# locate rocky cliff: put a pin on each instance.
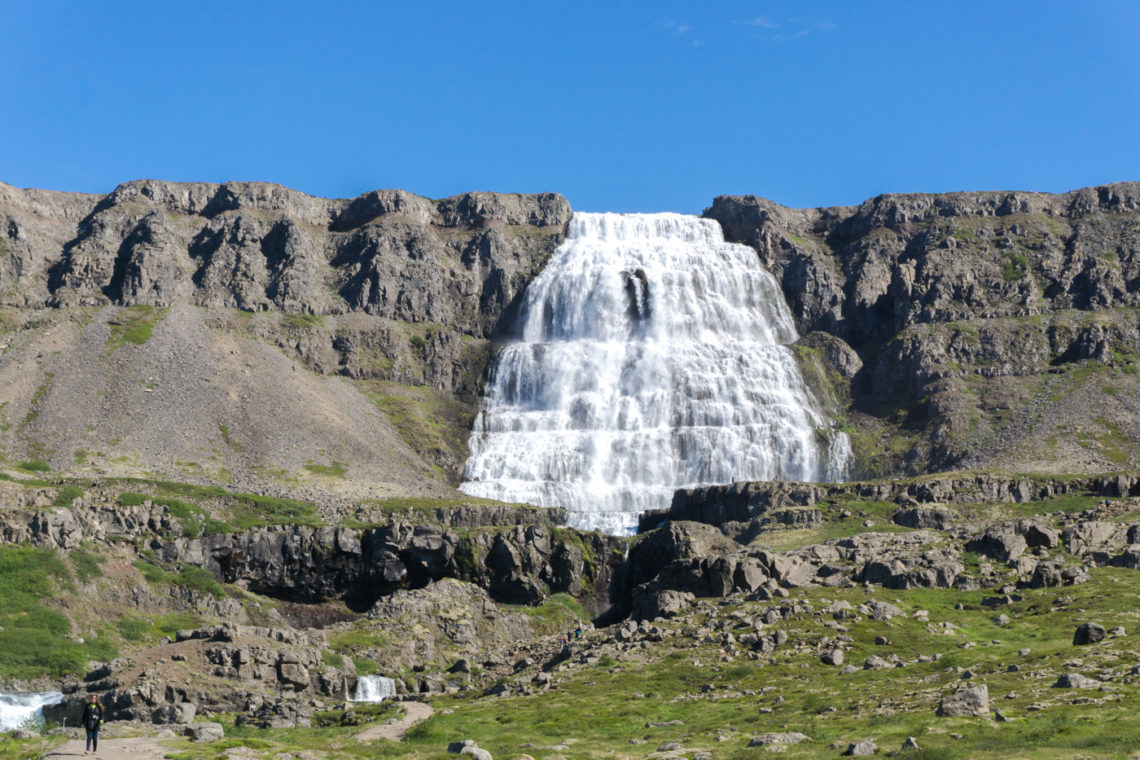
(211, 308)
(994, 329)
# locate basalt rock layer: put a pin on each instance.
(992, 329)
(190, 307)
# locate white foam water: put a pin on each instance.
(373, 689)
(652, 358)
(25, 710)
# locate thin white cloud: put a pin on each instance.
(788, 30)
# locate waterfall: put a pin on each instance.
(373, 689)
(25, 710)
(652, 358)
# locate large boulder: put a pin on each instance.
(1001, 542)
(780, 738)
(205, 732)
(936, 518)
(974, 701)
(651, 602)
(1088, 633)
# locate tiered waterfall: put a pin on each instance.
(652, 357)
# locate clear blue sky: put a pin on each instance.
(620, 106)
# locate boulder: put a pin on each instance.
(650, 603)
(205, 732)
(786, 737)
(936, 518)
(456, 747)
(974, 701)
(863, 748)
(293, 674)
(1088, 633)
(179, 714)
(1075, 681)
(1000, 542)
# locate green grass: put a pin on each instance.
(170, 623)
(190, 576)
(428, 421)
(558, 614)
(34, 465)
(37, 399)
(86, 564)
(365, 666)
(66, 495)
(134, 324)
(595, 708)
(1014, 266)
(254, 511)
(334, 470)
(302, 321)
(241, 511)
(356, 640)
(133, 629)
(34, 637)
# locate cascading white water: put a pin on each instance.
(651, 359)
(373, 689)
(25, 710)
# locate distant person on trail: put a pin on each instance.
(92, 720)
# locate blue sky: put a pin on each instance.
(620, 106)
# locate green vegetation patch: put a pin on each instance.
(302, 321)
(241, 510)
(34, 465)
(134, 324)
(429, 422)
(334, 470)
(194, 519)
(133, 629)
(351, 641)
(66, 495)
(37, 399)
(558, 614)
(190, 576)
(34, 638)
(1014, 266)
(86, 563)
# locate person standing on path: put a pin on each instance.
(92, 720)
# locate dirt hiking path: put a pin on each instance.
(148, 748)
(142, 748)
(416, 711)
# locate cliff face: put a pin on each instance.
(992, 329)
(400, 294)
(966, 330)
(457, 262)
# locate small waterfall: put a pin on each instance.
(652, 358)
(25, 710)
(373, 689)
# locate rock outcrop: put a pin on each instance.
(459, 261)
(938, 294)
(746, 507)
